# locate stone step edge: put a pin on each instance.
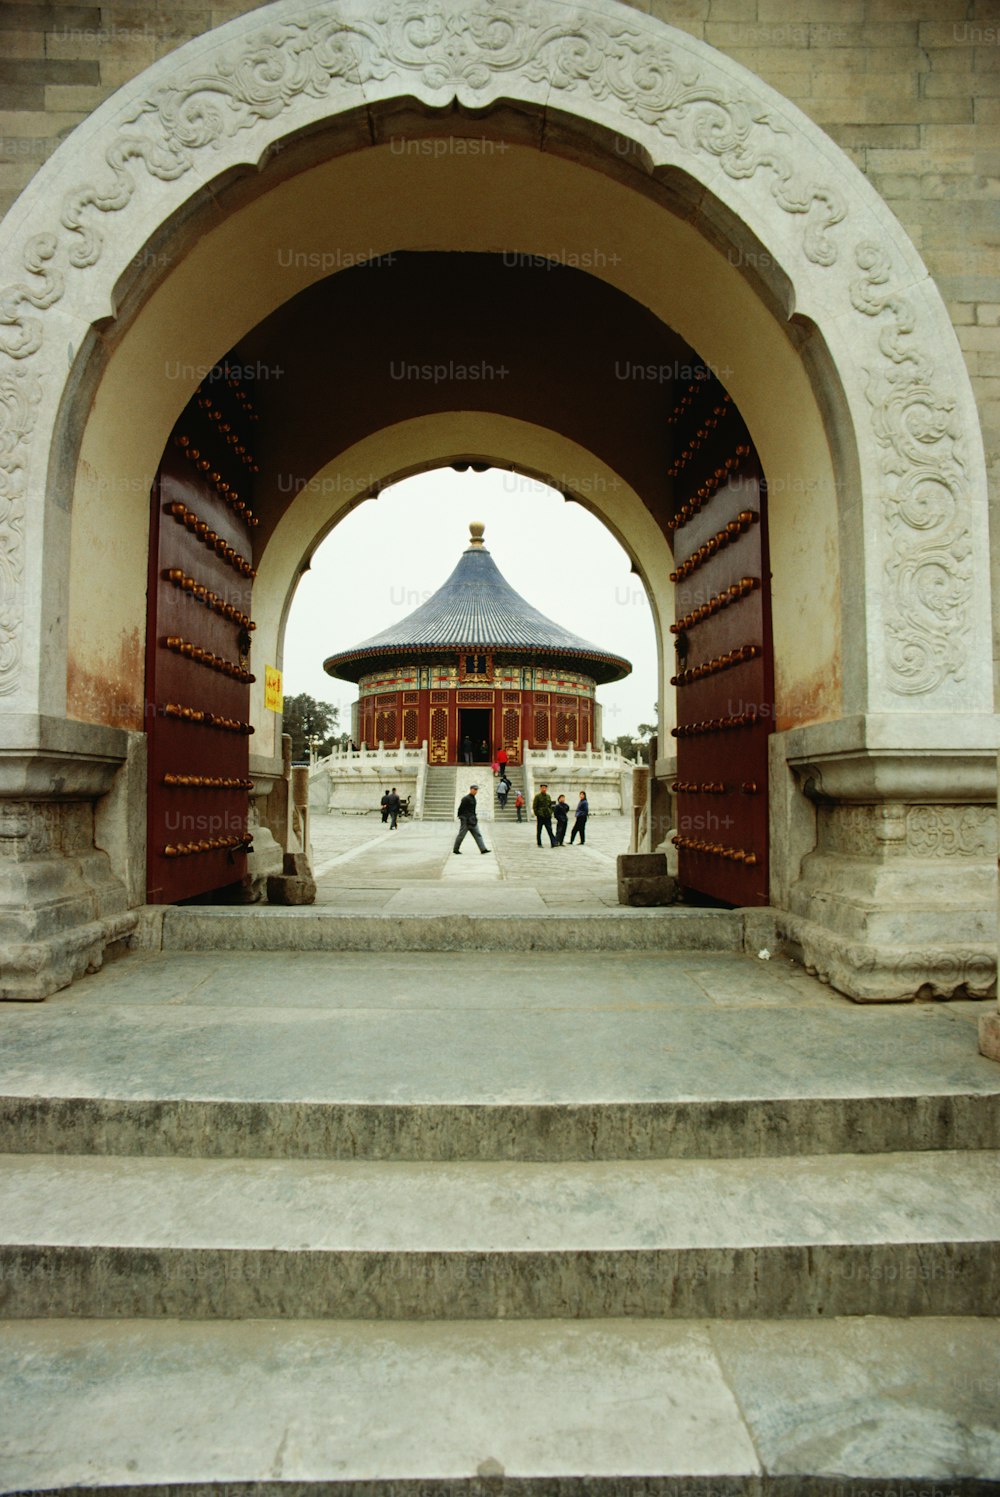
(787, 1281)
(492, 1481)
(683, 1406)
(512, 1132)
(314, 928)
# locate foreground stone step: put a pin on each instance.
(912, 1234)
(530, 1056)
(529, 1132)
(799, 1409)
(203, 928)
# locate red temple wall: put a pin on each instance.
(406, 718)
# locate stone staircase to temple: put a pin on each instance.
(441, 793)
(515, 774)
(245, 1249)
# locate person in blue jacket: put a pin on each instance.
(580, 819)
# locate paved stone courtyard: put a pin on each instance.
(360, 865)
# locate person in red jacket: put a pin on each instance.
(502, 762)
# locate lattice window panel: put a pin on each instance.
(512, 696)
(542, 698)
(541, 727)
(411, 696)
(465, 697)
(386, 730)
(564, 701)
(387, 699)
(410, 721)
(439, 696)
(438, 746)
(511, 728)
(560, 733)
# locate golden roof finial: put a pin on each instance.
(476, 529)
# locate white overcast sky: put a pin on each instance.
(390, 554)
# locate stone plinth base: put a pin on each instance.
(643, 880)
(877, 972)
(989, 1036)
(883, 854)
(33, 970)
(61, 906)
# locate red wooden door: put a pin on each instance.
(198, 649)
(722, 639)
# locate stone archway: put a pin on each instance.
(744, 227)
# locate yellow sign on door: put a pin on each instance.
(274, 700)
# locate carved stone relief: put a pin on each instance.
(20, 392)
(650, 77)
(925, 831)
(928, 568)
(952, 831)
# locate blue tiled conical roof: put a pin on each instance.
(477, 607)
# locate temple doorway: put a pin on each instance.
(475, 723)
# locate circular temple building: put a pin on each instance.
(476, 668)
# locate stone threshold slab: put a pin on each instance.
(909, 1234)
(717, 1128)
(550, 1409)
(315, 928)
(327, 1205)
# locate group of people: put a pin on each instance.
(504, 788)
(484, 751)
(546, 810)
(390, 808)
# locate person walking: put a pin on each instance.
(519, 805)
(580, 819)
(468, 821)
(561, 813)
(392, 807)
(384, 803)
(502, 761)
(503, 790)
(541, 808)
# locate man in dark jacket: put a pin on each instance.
(542, 808)
(392, 806)
(561, 812)
(468, 821)
(580, 820)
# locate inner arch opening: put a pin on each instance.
(385, 559)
